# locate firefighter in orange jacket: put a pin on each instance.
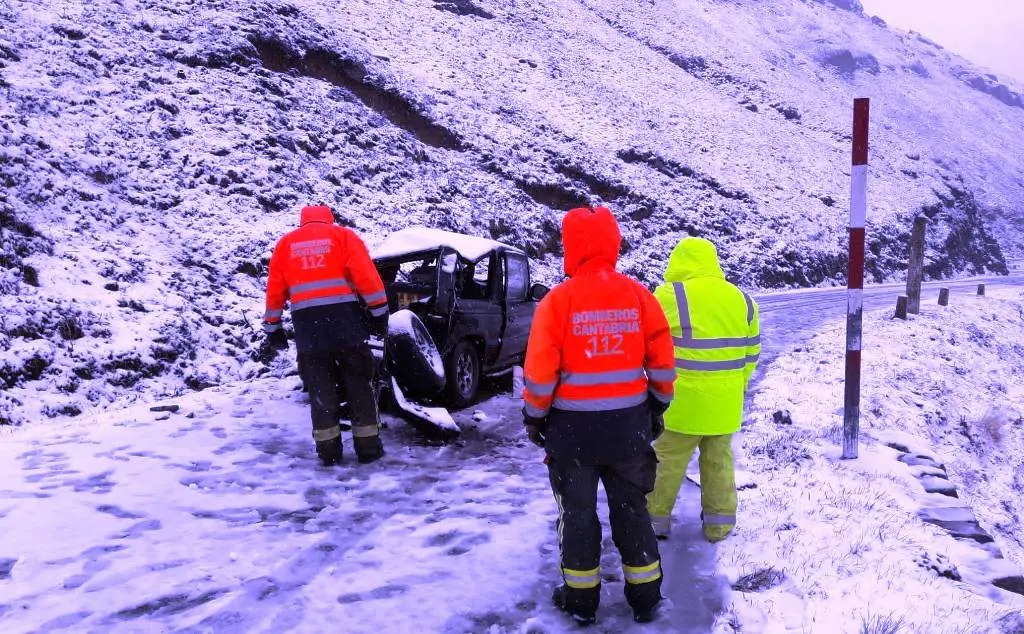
(337, 299)
(599, 374)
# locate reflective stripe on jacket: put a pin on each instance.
(716, 338)
(599, 341)
(321, 264)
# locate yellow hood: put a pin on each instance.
(693, 258)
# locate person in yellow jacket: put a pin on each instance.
(717, 341)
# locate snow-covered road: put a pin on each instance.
(217, 518)
(791, 317)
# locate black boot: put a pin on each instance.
(644, 599)
(581, 605)
(646, 615)
(368, 448)
(329, 451)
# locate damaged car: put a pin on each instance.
(461, 310)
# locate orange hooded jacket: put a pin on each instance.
(600, 342)
(323, 268)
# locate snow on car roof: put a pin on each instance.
(413, 239)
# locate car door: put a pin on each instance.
(447, 260)
(479, 312)
(518, 308)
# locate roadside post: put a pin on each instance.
(901, 307)
(855, 276)
(943, 297)
(981, 290)
(915, 265)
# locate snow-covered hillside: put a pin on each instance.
(151, 152)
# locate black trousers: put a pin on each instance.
(627, 484)
(353, 369)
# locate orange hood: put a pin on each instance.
(317, 213)
(590, 236)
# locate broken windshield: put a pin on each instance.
(417, 271)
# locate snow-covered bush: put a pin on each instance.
(996, 421)
(10, 413)
(882, 624)
(25, 361)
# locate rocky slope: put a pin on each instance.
(151, 152)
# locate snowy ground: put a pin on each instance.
(845, 534)
(216, 518)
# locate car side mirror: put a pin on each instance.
(538, 291)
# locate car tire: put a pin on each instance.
(412, 357)
(463, 370)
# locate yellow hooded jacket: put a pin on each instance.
(717, 341)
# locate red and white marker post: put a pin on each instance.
(855, 276)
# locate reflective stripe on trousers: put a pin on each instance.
(642, 574)
(719, 519)
(582, 579)
(364, 431)
(328, 433)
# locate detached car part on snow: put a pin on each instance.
(461, 309)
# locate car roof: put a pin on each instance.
(417, 239)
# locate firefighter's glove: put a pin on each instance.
(657, 407)
(536, 435)
(657, 425)
(273, 343)
(277, 340)
(378, 326)
(536, 429)
(658, 410)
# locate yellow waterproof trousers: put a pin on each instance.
(717, 480)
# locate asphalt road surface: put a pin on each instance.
(791, 317)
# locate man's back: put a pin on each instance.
(595, 341)
(325, 272)
(716, 337)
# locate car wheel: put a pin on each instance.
(413, 358)
(463, 370)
